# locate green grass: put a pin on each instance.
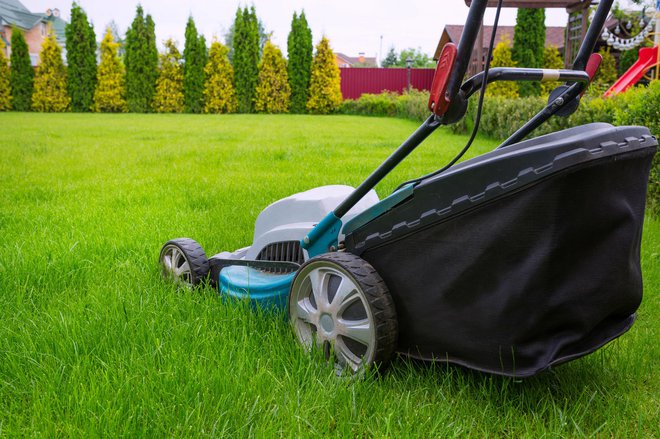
(94, 343)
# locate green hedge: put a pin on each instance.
(502, 116)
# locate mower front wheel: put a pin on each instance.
(340, 304)
(183, 261)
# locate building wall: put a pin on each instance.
(34, 39)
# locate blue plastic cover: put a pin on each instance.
(262, 289)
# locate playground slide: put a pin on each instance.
(648, 57)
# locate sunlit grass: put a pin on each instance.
(94, 343)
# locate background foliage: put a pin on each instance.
(502, 57)
(528, 45)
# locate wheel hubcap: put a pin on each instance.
(175, 266)
(328, 309)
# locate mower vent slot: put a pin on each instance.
(284, 251)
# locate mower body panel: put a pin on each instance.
(293, 217)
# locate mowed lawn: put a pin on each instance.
(94, 343)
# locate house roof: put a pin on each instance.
(554, 36)
(364, 61)
(14, 13)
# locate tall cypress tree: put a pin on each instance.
(300, 51)
(246, 57)
(22, 74)
(194, 55)
(529, 44)
(81, 59)
(141, 61)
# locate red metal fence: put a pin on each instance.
(356, 81)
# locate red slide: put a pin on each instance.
(648, 57)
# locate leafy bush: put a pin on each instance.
(412, 105)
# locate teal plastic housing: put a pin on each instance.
(264, 290)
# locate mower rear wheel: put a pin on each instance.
(183, 261)
(340, 304)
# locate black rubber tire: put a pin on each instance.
(193, 254)
(378, 298)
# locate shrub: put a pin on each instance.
(169, 87)
(21, 77)
(110, 93)
(325, 86)
(81, 60)
(412, 105)
(50, 84)
(219, 93)
(5, 86)
(273, 91)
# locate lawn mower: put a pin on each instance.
(509, 263)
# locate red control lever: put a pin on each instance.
(592, 67)
(438, 102)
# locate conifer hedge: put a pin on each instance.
(22, 74)
(81, 60)
(50, 83)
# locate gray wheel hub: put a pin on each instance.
(329, 310)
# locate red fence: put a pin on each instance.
(356, 81)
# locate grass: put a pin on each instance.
(94, 343)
